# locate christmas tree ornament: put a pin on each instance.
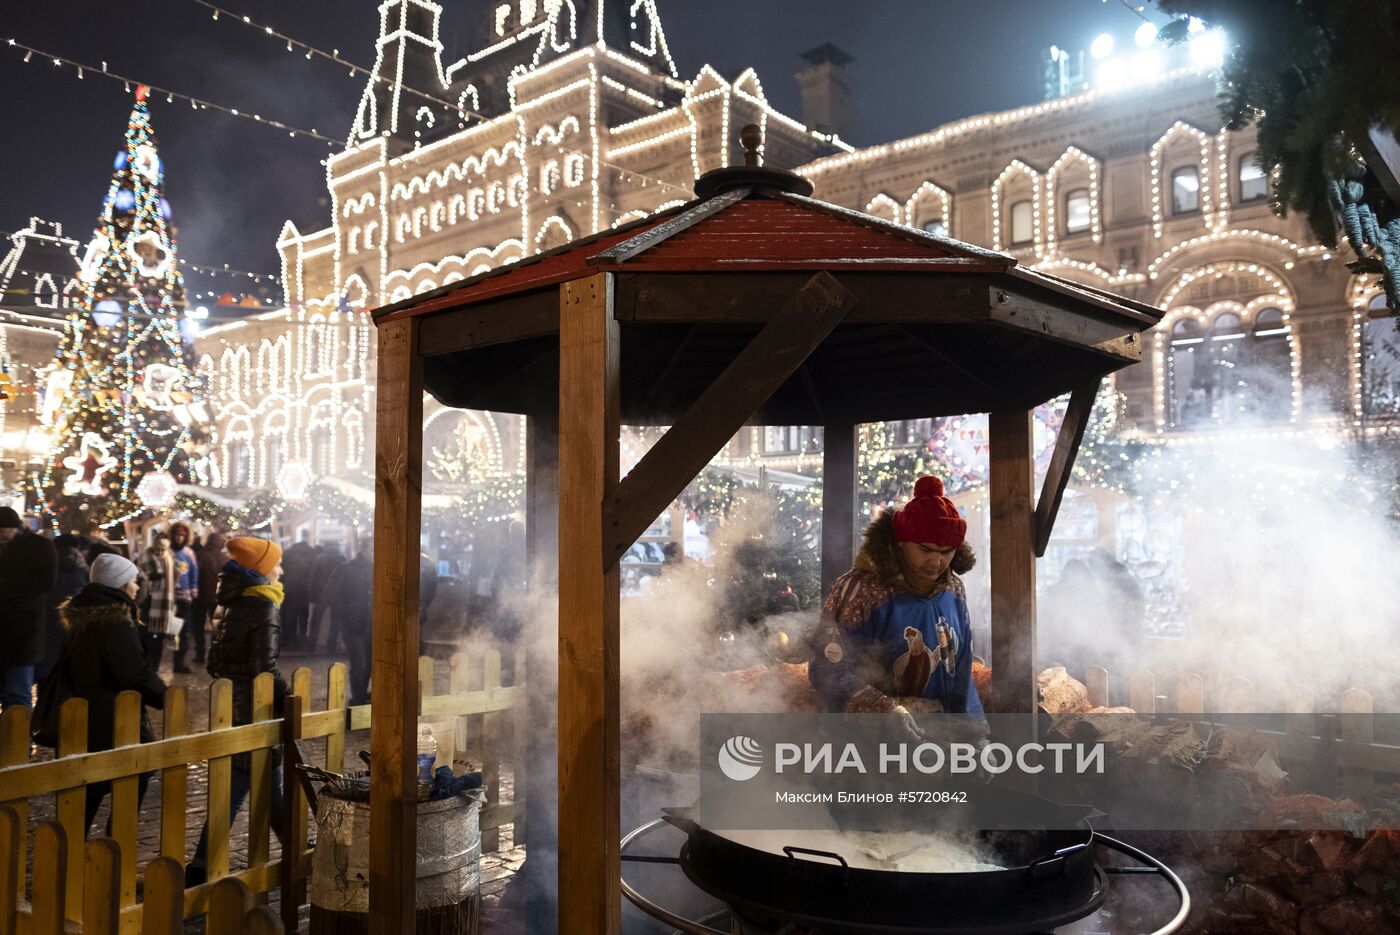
(157, 490)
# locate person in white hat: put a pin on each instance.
(103, 656)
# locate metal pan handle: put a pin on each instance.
(792, 851)
(1049, 866)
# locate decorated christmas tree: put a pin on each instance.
(121, 400)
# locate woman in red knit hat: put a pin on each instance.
(895, 633)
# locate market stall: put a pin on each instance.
(755, 303)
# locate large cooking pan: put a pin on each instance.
(1049, 876)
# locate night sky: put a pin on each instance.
(232, 183)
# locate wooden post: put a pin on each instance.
(538, 728)
(220, 777)
(336, 700)
(838, 501)
(11, 869)
(72, 803)
(589, 765)
(14, 749)
(398, 503)
(229, 902)
(163, 904)
(173, 787)
(126, 731)
(293, 817)
(102, 887)
(50, 857)
(260, 816)
(1013, 563)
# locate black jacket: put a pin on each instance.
(247, 637)
(104, 656)
(296, 573)
(28, 566)
(72, 576)
(350, 594)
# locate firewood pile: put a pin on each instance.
(1304, 882)
(1295, 882)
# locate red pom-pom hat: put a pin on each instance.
(930, 517)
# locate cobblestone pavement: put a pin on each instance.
(497, 868)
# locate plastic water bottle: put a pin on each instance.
(427, 753)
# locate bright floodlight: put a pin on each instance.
(1208, 48)
(1111, 75)
(1147, 66)
(1102, 46)
(1146, 35)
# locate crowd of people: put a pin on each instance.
(84, 617)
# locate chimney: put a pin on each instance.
(826, 96)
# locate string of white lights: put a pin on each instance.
(196, 103)
(355, 69)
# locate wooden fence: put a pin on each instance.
(475, 695)
(1313, 740)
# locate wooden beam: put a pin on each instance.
(1055, 322)
(754, 298)
(838, 501)
(590, 895)
(1012, 564)
(398, 500)
(514, 318)
(722, 409)
(540, 872)
(1081, 407)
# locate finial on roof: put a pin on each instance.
(750, 175)
(751, 138)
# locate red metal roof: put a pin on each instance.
(733, 232)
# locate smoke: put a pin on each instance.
(1263, 554)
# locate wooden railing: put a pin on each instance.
(1313, 739)
(231, 909)
(475, 695)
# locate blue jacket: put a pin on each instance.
(876, 632)
(186, 572)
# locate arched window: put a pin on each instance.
(1188, 401)
(321, 451)
(1022, 223)
(1226, 387)
(1254, 181)
(1269, 373)
(240, 471)
(1186, 190)
(1077, 211)
(1380, 361)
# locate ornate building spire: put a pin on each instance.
(399, 99)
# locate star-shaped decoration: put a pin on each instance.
(92, 460)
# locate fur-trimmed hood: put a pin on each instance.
(879, 555)
(96, 604)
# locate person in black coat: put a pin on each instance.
(246, 643)
(322, 568)
(104, 655)
(72, 575)
(28, 567)
(350, 600)
(296, 580)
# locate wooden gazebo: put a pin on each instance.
(754, 304)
